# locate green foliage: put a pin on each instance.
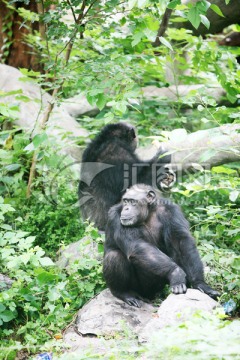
(211, 203)
(189, 340)
(112, 58)
(43, 298)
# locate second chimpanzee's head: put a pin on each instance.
(137, 204)
(123, 131)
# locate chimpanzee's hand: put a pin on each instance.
(178, 281)
(179, 289)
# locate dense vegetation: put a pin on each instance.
(111, 60)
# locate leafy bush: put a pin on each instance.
(43, 298)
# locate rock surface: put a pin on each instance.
(5, 282)
(75, 251)
(106, 316)
(177, 309)
(33, 109)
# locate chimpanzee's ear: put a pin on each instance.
(151, 197)
(133, 133)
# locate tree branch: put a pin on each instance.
(163, 26)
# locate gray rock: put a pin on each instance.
(103, 319)
(105, 315)
(77, 250)
(78, 343)
(32, 111)
(176, 309)
(5, 282)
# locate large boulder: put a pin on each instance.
(33, 102)
(107, 317)
(177, 309)
(76, 251)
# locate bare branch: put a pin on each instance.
(72, 10)
(163, 26)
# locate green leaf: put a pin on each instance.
(25, 258)
(46, 278)
(236, 263)
(222, 170)
(101, 101)
(39, 139)
(233, 195)
(12, 167)
(174, 4)
(54, 295)
(216, 9)
(91, 99)
(137, 38)
(194, 17)
(205, 21)
(46, 261)
(203, 6)
(7, 315)
(2, 307)
(13, 263)
(23, 98)
(120, 106)
(165, 42)
(29, 147)
(207, 155)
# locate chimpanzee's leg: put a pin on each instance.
(191, 263)
(120, 277)
(183, 251)
(149, 260)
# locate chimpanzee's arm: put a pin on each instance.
(150, 259)
(181, 245)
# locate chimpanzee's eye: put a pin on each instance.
(133, 202)
(125, 201)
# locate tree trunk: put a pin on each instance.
(14, 50)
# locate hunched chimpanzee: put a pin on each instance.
(110, 166)
(148, 244)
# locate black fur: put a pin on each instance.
(154, 249)
(99, 190)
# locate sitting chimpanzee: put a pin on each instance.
(148, 244)
(110, 166)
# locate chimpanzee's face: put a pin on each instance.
(136, 206)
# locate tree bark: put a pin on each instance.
(16, 52)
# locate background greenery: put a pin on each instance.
(111, 62)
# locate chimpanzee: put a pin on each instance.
(148, 244)
(110, 166)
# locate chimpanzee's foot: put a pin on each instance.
(207, 290)
(131, 298)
